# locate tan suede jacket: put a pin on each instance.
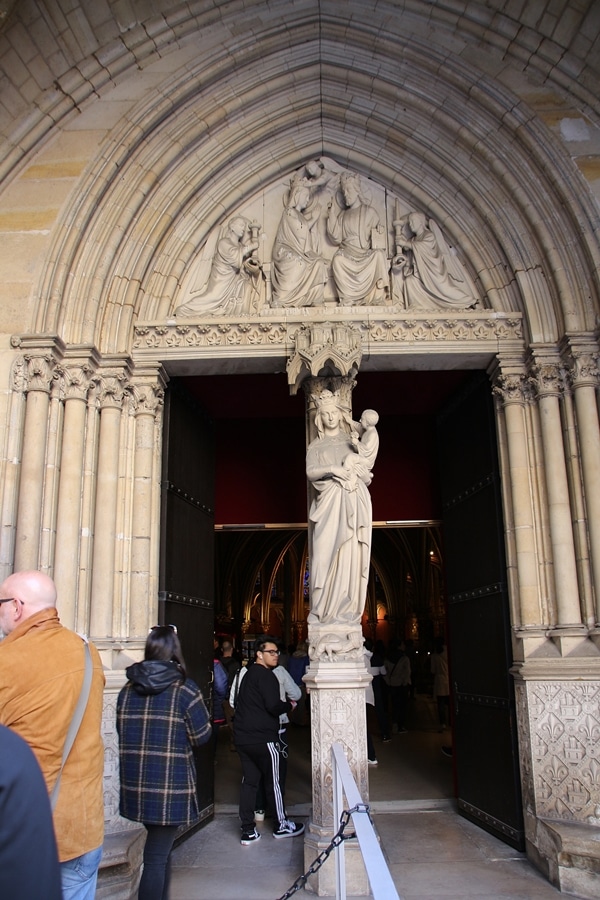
(41, 673)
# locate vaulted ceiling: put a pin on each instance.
(161, 118)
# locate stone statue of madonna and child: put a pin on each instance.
(339, 464)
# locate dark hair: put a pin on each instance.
(163, 643)
(262, 641)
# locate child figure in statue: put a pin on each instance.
(365, 443)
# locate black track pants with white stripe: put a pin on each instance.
(257, 760)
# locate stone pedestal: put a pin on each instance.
(338, 714)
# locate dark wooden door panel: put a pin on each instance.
(186, 579)
(485, 743)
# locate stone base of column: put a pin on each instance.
(322, 883)
(559, 744)
(336, 688)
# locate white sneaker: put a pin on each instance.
(373, 762)
(259, 815)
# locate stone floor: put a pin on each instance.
(431, 850)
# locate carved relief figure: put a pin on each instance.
(429, 276)
(341, 519)
(298, 271)
(319, 180)
(232, 276)
(365, 443)
(359, 267)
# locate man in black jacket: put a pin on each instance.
(256, 730)
(29, 868)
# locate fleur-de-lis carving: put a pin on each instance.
(589, 729)
(552, 727)
(591, 773)
(556, 771)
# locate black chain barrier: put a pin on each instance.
(335, 842)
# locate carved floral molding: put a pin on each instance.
(473, 331)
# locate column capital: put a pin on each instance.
(75, 381)
(546, 370)
(512, 388)
(148, 383)
(35, 373)
(111, 388)
(581, 354)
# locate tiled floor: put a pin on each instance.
(430, 850)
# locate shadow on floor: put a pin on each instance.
(431, 850)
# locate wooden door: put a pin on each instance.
(484, 728)
(186, 580)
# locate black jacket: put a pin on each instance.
(29, 867)
(258, 707)
(153, 676)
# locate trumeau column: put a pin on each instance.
(112, 385)
(76, 379)
(547, 378)
(40, 370)
(336, 679)
(584, 376)
(148, 397)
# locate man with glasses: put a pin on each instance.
(42, 669)
(255, 728)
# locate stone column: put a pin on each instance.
(76, 382)
(584, 375)
(14, 443)
(148, 395)
(512, 388)
(111, 392)
(39, 377)
(547, 378)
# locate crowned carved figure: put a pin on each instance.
(359, 265)
(298, 271)
(339, 465)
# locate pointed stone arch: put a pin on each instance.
(184, 162)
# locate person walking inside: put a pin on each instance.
(256, 730)
(232, 666)
(441, 683)
(51, 694)
(397, 665)
(161, 717)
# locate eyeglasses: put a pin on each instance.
(277, 652)
(172, 627)
(10, 599)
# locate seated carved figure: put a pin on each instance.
(426, 274)
(359, 270)
(232, 271)
(298, 273)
